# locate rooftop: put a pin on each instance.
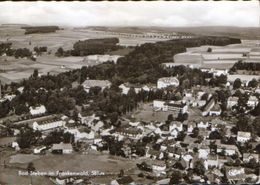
(62, 146)
(169, 80)
(96, 83)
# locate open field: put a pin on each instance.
(221, 57)
(52, 163)
(74, 162)
(14, 70)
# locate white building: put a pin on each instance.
(158, 167)
(81, 134)
(125, 87)
(204, 152)
(48, 124)
(203, 125)
(38, 150)
(243, 136)
(101, 58)
(167, 81)
(176, 125)
(64, 148)
(160, 105)
(248, 156)
(252, 101)
(215, 111)
(191, 126)
(229, 150)
(87, 84)
(37, 110)
(232, 101)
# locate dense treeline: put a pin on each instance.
(5, 48)
(91, 46)
(140, 66)
(40, 29)
(250, 66)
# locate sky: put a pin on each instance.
(142, 13)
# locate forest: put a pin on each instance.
(40, 29)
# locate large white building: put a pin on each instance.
(87, 84)
(44, 125)
(167, 81)
(160, 105)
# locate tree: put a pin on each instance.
(256, 110)
(176, 177)
(253, 83)
(215, 135)
(35, 73)
(237, 83)
(30, 167)
(170, 118)
(209, 50)
(59, 52)
(199, 168)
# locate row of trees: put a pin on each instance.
(250, 66)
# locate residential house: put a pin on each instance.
(216, 123)
(203, 152)
(210, 104)
(62, 148)
(191, 126)
(212, 161)
(243, 137)
(188, 99)
(158, 167)
(176, 124)
(252, 101)
(215, 111)
(15, 145)
(235, 173)
(97, 125)
(203, 125)
(248, 156)
(199, 103)
(216, 161)
(228, 150)
(87, 84)
(167, 81)
(232, 101)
